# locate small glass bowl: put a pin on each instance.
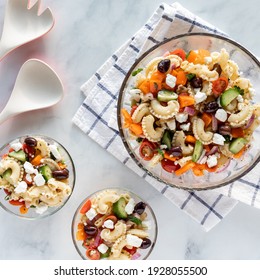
(248, 65)
(31, 213)
(152, 230)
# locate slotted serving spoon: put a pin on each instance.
(23, 24)
(37, 86)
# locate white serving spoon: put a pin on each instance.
(37, 86)
(23, 24)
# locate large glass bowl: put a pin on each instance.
(32, 213)
(249, 66)
(79, 219)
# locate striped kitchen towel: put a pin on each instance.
(96, 117)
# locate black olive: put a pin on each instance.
(139, 208)
(164, 65)
(196, 82)
(146, 243)
(224, 129)
(30, 141)
(90, 230)
(211, 107)
(61, 174)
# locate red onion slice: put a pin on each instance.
(190, 111)
(136, 256)
(224, 166)
(250, 122)
(213, 150)
(97, 239)
(214, 123)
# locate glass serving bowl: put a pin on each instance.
(84, 243)
(248, 65)
(24, 210)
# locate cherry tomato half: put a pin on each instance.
(147, 149)
(131, 251)
(85, 207)
(93, 254)
(169, 165)
(180, 52)
(219, 85)
(16, 202)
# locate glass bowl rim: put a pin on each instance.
(73, 228)
(72, 184)
(120, 96)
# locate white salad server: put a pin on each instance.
(23, 24)
(37, 86)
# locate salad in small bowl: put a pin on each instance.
(114, 224)
(37, 176)
(187, 112)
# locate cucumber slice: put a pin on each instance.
(119, 208)
(20, 155)
(135, 220)
(167, 139)
(228, 96)
(7, 174)
(197, 151)
(166, 95)
(46, 172)
(237, 145)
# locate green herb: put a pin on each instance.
(187, 55)
(105, 255)
(135, 220)
(240, 90)
(190, 76)
(227, 139)
(160, 152)
(134, 73)
(7, 197)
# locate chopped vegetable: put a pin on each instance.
(134, 73)
(186, 101)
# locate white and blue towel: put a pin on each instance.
(97, 117)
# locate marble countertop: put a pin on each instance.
(85, 34)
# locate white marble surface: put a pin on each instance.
(86, 32)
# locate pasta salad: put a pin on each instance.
(33, 174)
(114, 226)
(191, 111)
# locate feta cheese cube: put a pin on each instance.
(28, 167)
(170, 80)
(39, 180)
(221, 115)
(200, 97)
(218, 139)
(102, 248)
(21, 187)
(181, 117)
(185, 127)
(16, 146)
(28, 178)
(129, 208)
(55, 152)
(171, 124)
(133, 240)
(41, 208)
(91, 214)
(240, 98)
(163, 147)
(108, 224)
(212, 161)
